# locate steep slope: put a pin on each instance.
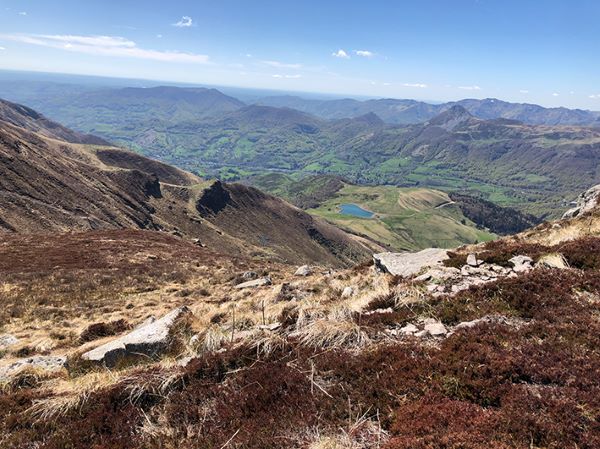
(483, 350)
(24, 117)
(52, 185)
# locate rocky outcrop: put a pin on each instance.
(586, 202)
(409, 264)
(149, 340)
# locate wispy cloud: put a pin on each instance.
(340, 54)
(2, 48)
(23, 13)
(524, 91)
(364, 53)
(469, 87)
(282, 65)
(593, 97)
(104, 46)
(289, 77)
(184, 22)
(555, 94)
(419, 85)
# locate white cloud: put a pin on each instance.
(185, 22)
(469, 87)
(159, 36)
(524, 91)
(2, 48)
(555, 94)
(23, 13)
(387, 84)
(289, 77)
(593, 97)
(364, 53)
(340, 54)
(248, 55)
(282, 65)
(419, 85)
(104, 46)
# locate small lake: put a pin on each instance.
(355, 211)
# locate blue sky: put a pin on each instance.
(545, 52)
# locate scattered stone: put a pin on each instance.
(472, 260)
(521, 263)
(176, 233)
(198, 242)
(553, 260)
(435, 329)
(148, 340)
(152, 256)
(347, 292)
(304, 270)
(409, 329)
(7, 340)
(249, 275)
(255, 283)
(376, 311)
(43, 362)
(424, 277)
(409, 264)
(270, 327)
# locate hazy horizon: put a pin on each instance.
(247, 94)
(538, 52)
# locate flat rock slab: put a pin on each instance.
(255, 283)
(43, 362)
(149, 340)
(409, 264)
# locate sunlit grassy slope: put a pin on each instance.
(404, 218)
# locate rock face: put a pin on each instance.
(149, 340)
(586, 202)
(409, 264)
(255, 283)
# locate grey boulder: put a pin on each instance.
(409, 264)
(149, 340)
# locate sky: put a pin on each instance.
(534, 51)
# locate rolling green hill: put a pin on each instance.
(401, 218)
(536, 169)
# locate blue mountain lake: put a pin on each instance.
(355, 211)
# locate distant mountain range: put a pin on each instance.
(478, 147)
(411, 111)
